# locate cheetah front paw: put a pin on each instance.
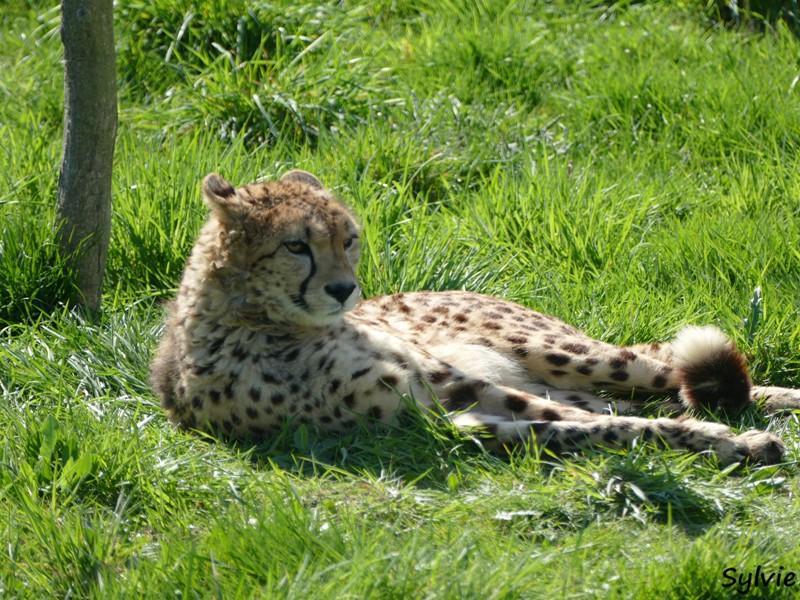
(761, 447)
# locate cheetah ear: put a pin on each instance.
(302, 177)
(221, 197)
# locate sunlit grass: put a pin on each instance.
(629, 167)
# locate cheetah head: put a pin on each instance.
(287, 249)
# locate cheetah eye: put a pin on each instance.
(349, 242)
(296, 247)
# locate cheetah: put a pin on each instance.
(267, 327)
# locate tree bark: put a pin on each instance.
(90, 125)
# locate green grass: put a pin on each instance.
(629, 167)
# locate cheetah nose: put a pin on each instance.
(340, 290)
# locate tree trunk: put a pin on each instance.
(90, 126)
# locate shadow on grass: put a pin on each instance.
(756, 15)
(36, 277)
(646, 483)
(420, 448)
(751, 15)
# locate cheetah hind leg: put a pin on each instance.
(567, 436)
(776, 399)
(598, 405)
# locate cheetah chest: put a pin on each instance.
(247, 384)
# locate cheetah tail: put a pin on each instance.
(712, 371)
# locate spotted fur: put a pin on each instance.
(267, 327)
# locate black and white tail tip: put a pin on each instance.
(712, 371)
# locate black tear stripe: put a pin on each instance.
(304, 285)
